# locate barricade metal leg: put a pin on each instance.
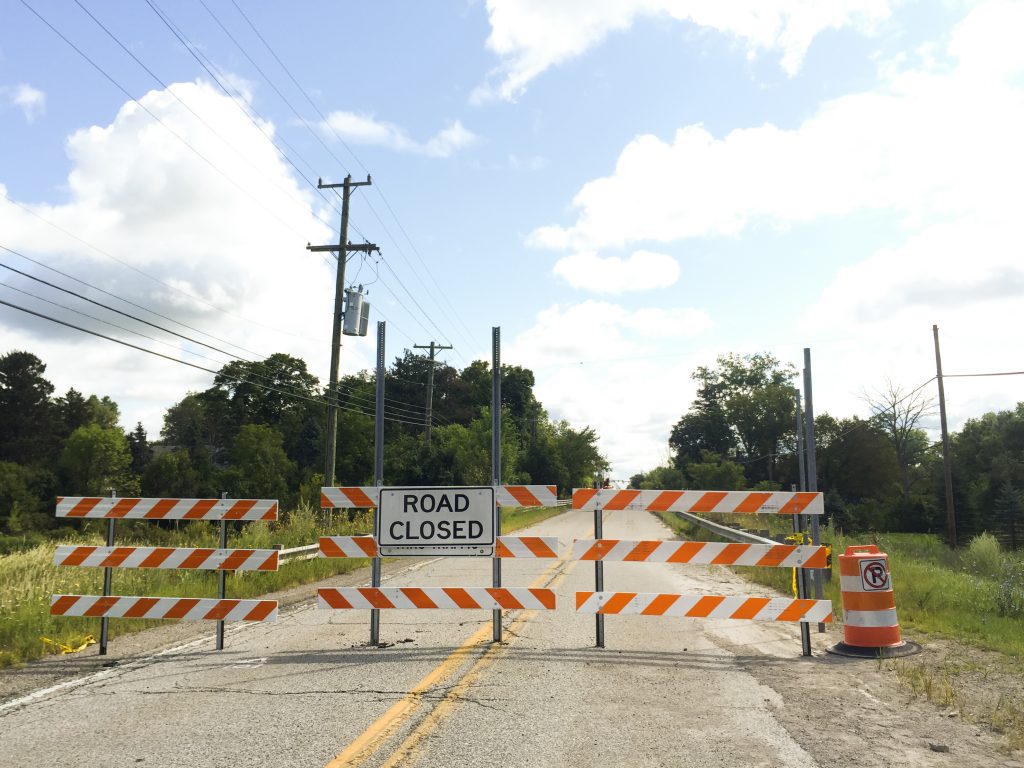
(496, 566)
(108, 574)
(599, 576)
(375, 612)
(801, 592)
(222, 580)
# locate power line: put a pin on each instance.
(397, 407)
(149, 112)
(190, 47)
(294, 395)
(169, 286)
(345, 144)
(979, 375)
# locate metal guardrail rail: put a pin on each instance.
(732, 534)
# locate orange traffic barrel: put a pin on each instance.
(870, 628)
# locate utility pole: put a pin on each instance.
(434, 349)
(947, 465)
(342, 249)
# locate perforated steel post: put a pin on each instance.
(496, 460)
(599, 573)
(812, 473)
(108, 574)
(222, 576)
(378, 472)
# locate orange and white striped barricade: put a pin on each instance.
(505, 495)
(168, 557)
(697, 502)
(599, 549)
(704, 606)
(220, 560)
(184, 608)
(113, 508)
(870, 628)
(505, 546)
(465, 598)
(701, 553)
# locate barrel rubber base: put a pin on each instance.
(906, 648)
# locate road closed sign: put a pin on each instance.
(436, 521)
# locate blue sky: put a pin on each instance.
(628, 189)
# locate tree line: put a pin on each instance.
(879, 473)
(259, 432)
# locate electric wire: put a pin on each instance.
(241, 379)
(326, 123)
(396, 405)
(147, 275)
(190, 47)
(149, 112)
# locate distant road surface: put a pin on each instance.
(307, 691)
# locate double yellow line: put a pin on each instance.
(370, 740)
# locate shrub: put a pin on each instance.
(1010, 590)
(984, 556)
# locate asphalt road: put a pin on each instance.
(307, 690)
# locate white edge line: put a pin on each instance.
(77, 682)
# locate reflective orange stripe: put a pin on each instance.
(418, 597)
(621, 500)
(141, 607)
(729, 554)
(659, 605)
(505, 598)
(665, 501)
(750, 608)
(182, 607)
(869, 601)
(101, 606)
(222, 609)
(580, 497)
(262, 609)
(641, 551)
(63, 605)
(686, 552)
(705, 606)
(752, 502)
(617, 602)
(708, 501)
(461, 598)
(238, 509)
(161, 508)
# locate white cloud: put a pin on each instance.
(642, 271)
(617, 370)
(364, 129)
(31, 100)
(933, 142)
(235, 240)
(533, 35)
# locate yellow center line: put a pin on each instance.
(409, 750)
(381, 729)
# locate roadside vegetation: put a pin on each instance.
(957, 600)
(28, 577)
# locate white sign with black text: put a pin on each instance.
(436, 521)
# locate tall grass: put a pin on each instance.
(974, 595)
(28, 578)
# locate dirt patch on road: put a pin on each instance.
(950, 705)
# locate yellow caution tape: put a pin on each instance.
(86, 642)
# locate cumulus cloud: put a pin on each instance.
(642, 271)
(234, 240)
(935, 141)
(532, 36)
(31, 101)
(364, 129)
(619, 370)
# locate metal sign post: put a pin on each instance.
(496, 461)
(378, 473)
(599, 572)
(222, 577)
(812, 472)
(108, 574)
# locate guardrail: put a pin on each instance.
(294, 554)
(732, 534)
